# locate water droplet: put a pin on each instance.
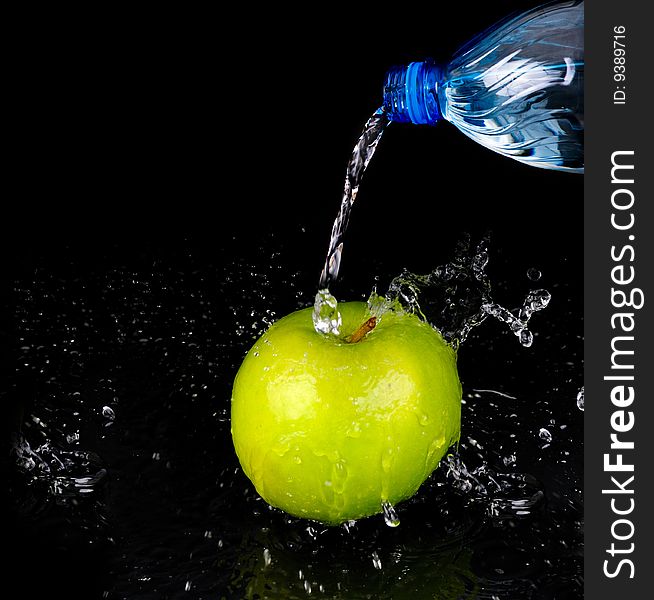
(580, 399)
(327, 492)
(267, 559)
(307, 586)
(282, 447)
(509, 460)
(349, 525)
(108, 413)
(390, 516)
(339, 476)
(297, 460)
(354, 431)
(376, 561)
(534, 274)
(187, 587)
(545, 435)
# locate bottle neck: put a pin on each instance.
(411, 93)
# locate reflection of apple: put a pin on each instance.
(414, 566)
(329, 427)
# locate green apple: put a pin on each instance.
(329, 428)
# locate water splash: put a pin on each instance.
(457, 297)
(66, 475)
(454, 298)
(361, 156)
(460, 288)
(535, 300)
(501, 495)
(445, 530)
(326, 317)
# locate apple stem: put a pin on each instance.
(360, 333)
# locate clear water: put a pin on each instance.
(326, 317)
(125, 458)
(456, 297)
(519, 90)
(461, 284)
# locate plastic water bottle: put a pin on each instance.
(517, 88)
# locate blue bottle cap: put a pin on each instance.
(411, 93)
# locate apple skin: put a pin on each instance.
(328, 430)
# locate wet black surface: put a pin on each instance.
(139, 290)
(159, 343)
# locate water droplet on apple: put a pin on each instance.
(339, 476)
(390, 516)
(376, 561)
(387, 459)
(281, 448)
(354, 431)
(434, 448)
(297, 460)
(328, 492)
(423, 419)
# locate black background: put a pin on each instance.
(144, 135)
(141, 129)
